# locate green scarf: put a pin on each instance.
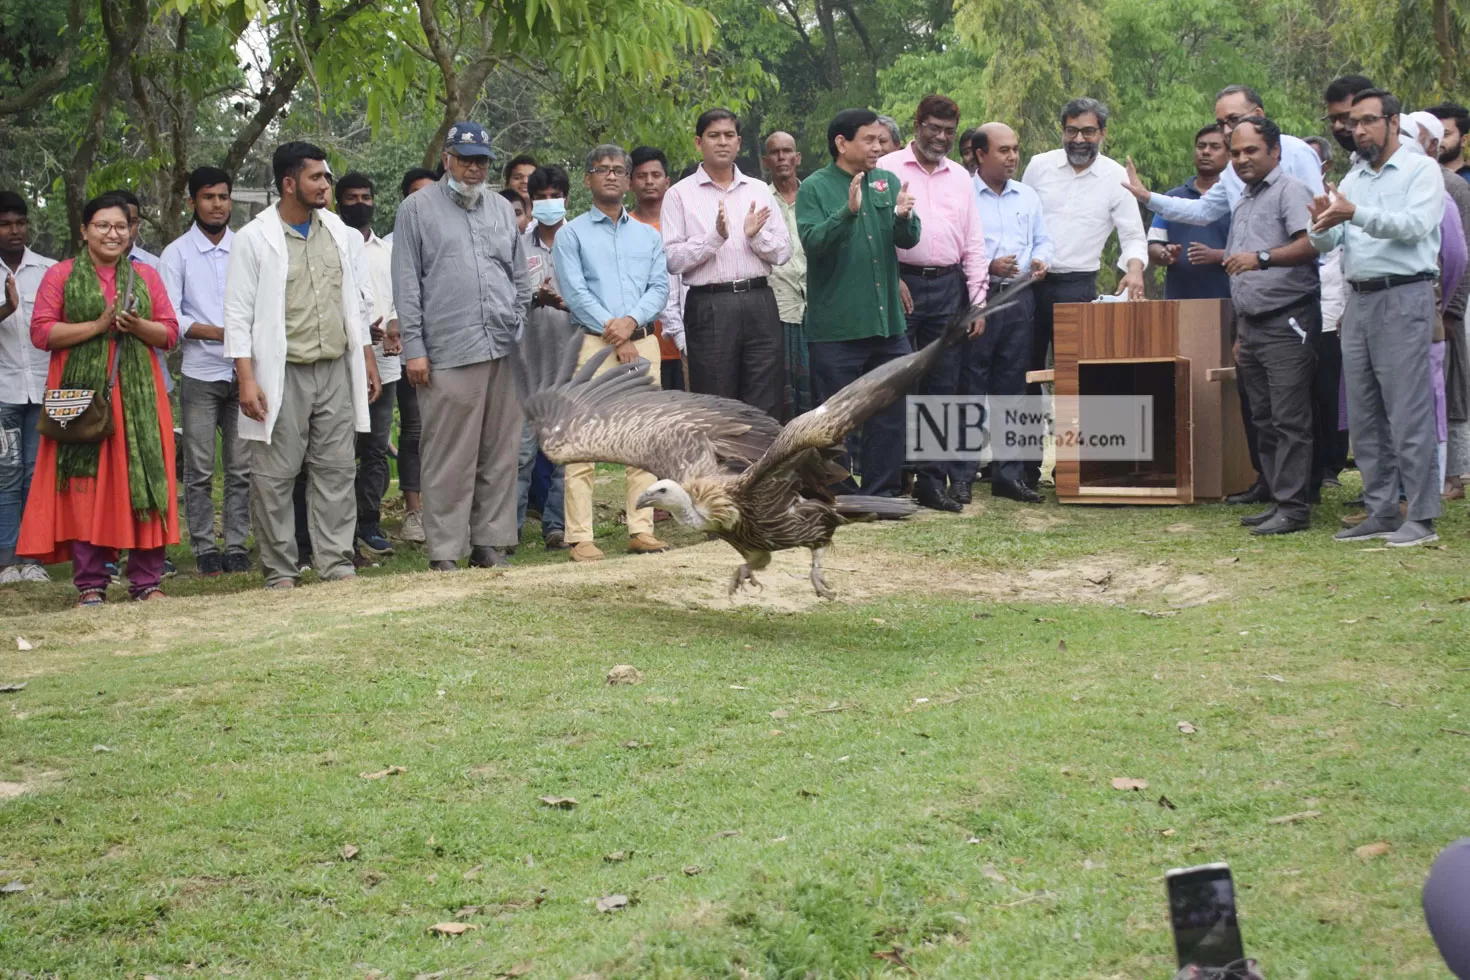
(87, 366)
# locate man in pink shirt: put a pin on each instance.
(723, 233)
(946, 272)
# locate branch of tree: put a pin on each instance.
(54, 77)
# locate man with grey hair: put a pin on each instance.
(615, 281)
(461, 288)
(1083, 202)
(893, 138)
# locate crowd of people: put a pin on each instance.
(304, 331)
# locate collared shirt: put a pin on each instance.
(23, 367)
(788, 281)
(1459, 192)
(1013, 224)
(852, 269)
(1394, 230)
(945, 203)
(1269, 215)
(459, 278)
(1297, 158)
(548, 330)
(193, 272)
(377, 265)
(1084, 209)
(139, 254)
(698, 253)
(1184, 280)
(610, 268)
(315, 327)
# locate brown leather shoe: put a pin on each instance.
(1353, 520)
(645, 544)
(586, 551)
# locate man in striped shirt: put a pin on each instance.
(723, 234)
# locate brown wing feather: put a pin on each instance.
(619, 416)
(827, 425)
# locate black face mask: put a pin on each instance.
(356, 215)
(208, 228)
(1345, 140)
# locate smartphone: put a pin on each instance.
(1202, 912)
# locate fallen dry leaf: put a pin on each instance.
(390, 771)
(1296, 817)
(1186, 728)
(738, 687)
(100, 748)
(1461, 598)
(473, 873)
(625, 674)
(1127, 783)
(807, 793)
(692, 869)
(1454, 731)
(12, 688)
(1087, 865)
(780, 713)
(12, 888)
(894, 956)
(1167, 803)
(727, 833)
(1168, 833)
(468, 910)
(21, 643)
(560, 802)
(990, 872)
(616, 856)
(1179, 528)
(349, 851)
(1227, 561)
(1375, 850)
(519, 970)
(612, 903)
(452, 928)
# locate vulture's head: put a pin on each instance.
(674, 499)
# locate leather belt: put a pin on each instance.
(736, 286)
(1388, 282)
(637, 334)
(929, 271)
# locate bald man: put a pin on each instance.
(1017, 241)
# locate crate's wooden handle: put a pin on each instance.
(1048, 376)
(1220, 374)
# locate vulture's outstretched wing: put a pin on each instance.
(619, 416)
(827, 425)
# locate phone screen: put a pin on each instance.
(1202, 911)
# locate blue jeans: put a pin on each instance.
(18, 443)
(552, 512)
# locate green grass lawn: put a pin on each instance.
(923, 773)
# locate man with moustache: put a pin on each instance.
(782, 160)
(1192, 255)
(297, 329)
(461, 289)
(1274, 287)
(1387, 219)
(193, 269)
(1019, 245)
(1456, 121)
(651, 183)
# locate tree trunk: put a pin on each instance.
(1448, 58)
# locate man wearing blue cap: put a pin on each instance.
(461, 289)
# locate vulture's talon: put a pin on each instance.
(741, 576)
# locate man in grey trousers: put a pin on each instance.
(461, 290)
(1386, 218)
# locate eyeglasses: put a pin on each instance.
(1338, 119)
(938, 130)
(1086, 132)
(1232, 120)
(1366, 121)
(105, 229)
(471, 163)
(609, 171)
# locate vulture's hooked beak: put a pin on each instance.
(645, 499)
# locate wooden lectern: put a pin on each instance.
(1179, 352)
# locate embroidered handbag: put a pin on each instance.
(79, 414)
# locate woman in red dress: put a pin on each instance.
(87, 501)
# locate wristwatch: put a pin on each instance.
(1264, 258)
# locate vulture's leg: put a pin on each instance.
(741, 576)
(818, 581)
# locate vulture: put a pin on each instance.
(724, 467)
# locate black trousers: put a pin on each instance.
(1057, 287)
(995, 363)
(840, 362)
(1279, 367)
(1330, 443)
(372, 459)
(736, 347)
(936, 302)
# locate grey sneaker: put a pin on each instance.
(34, 573)
(1412, 533)
(10, 575)
(413, 527)
(1366, 531)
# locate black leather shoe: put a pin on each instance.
(961, 493)
(1015, 491)
(928, 495)
(1281, 524)
(1256, 520)
(1257, 494)
(483, 556)
(443, 566)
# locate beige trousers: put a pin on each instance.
(470, 446)
(579, 475)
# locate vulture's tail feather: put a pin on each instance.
(858, 508)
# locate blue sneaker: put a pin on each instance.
(370, 536)
(113, 573)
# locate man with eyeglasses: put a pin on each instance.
(723, 235)
(1082, 203)
(1387, 219)
(1338, 100)
(946, 270)
(461, 289)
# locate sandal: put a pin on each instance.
(90, 598)
(149, 594)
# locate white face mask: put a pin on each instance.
(469, 193)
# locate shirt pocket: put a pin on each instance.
(330, 265)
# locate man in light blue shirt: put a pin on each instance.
(614, 281)
(1017, 242)
(1234, 103)
(1386, 217)
(193, 271)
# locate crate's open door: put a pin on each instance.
(1166, 477)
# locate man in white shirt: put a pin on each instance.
(22, 381)
(193, 269)
(1083, 203)
(355, 207)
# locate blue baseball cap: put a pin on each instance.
(467, 139)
